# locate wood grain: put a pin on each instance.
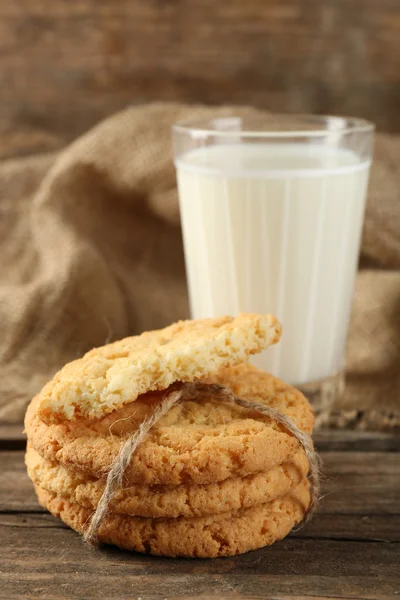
(355, 484)
(350, 550)
(64, 66)
(55, 563)
(13, 437)
(356, 528)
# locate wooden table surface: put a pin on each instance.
(351, 549)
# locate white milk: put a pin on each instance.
(276, 228)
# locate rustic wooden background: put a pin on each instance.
(65, 65)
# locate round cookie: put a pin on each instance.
(108, 377)
(225, 534)
(169, 501)
(202, 441)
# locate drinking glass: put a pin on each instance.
(272, 214)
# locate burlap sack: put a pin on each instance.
(91, 251)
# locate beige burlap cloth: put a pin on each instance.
(91, 251)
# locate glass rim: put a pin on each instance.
(341, 125)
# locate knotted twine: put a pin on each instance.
(191, 391)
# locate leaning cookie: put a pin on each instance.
(199, 441)
(107, 378)
(169, 501)
(225, 534)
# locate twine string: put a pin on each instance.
(191, 391)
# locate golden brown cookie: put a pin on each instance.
(109, 377)
(169, 501)
(202, 441)
(225, 534)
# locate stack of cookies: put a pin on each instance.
(210, 479)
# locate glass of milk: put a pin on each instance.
(272, 215)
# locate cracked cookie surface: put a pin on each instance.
(169, 501)
(111, 376)
(201, 442)
(225, 534)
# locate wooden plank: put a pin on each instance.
(16, 490)
(12, 437)
(40, 556)
(64, 66)
(357, 441)
(360, 491)
(376, 528)
(360, 483)
(55, 563)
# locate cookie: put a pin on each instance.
(169, 501)
(107, 378)
(203, 441)
(225, 534)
